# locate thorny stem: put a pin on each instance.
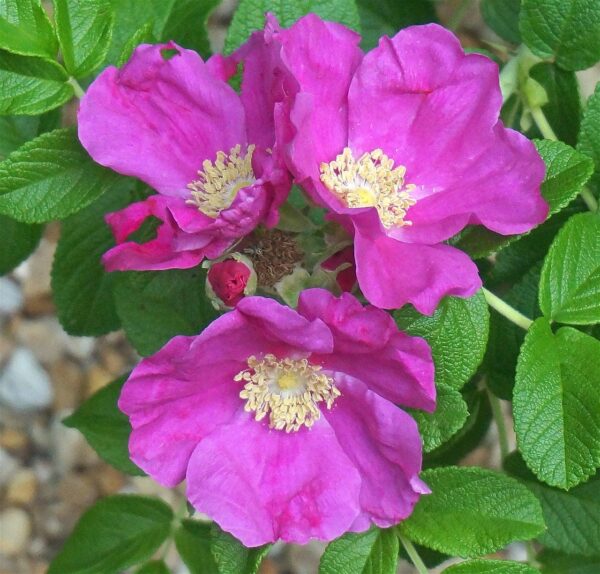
(413, 554)
(458, 15)
(506, 310)
(500, 424)
(544, 126)
(79, 91)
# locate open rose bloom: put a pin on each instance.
(404, 146)
(171, 120)
(284, 423)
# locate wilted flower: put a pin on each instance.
(404, 145)
(230, 280)
(172, 120)
(284, 423)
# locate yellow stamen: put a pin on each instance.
(219, 182)
(371, 181)
(288, 390)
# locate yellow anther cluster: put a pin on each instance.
(371, 181)
(288, 390)
(218, 182)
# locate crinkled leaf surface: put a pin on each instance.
(556, 404)
(371, 552)
(570, 281)
(490, 567)
(457, 333)
(472, 511)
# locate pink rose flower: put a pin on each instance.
(284, 423)
(229, 281)
(405, 146)
(171, 120)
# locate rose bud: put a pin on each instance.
(230, 280)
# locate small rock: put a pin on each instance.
(68, 447)
(8, 467)
(80, 347)
(113, 360)
(15, 526)
(34, 273)
(22, 488)
(11, 298)
(109, 480)
(44, 336)
(13, 439)
(78, 490)
(24, 385)
(97, 378)
(68, 384)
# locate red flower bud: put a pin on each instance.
(228, 280)
(346, 278)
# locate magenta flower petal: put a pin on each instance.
(420, 274)
(262, 485)
(158, 119)
(383, 443)
(276, 442)
(172, 409)
(369, 347)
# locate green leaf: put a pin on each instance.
(143, 36)
(156, 306)
(31, 86)
(386, 17)
(563, 110)
(449, 417)
(49, 178)
(154, 567)
(186, 24)
(502, 16)
(567, 171)
(490, 567)
(180, 20)
(472, 511)
(18, 241)
(570, 282)
(557, 563)
(16, 130)
(231, 556)
(572, 519)
(568, 30)
(371, 552)
(457, 333)
(250, 15)
(468, 437)
(82, 289)
(193, 541)
(556, 404)
(84, 32)
(26, 29)
(589, 135)
(117, 532)
(105, 427)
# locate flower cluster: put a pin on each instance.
(286, 423)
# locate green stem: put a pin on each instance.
(500, 424)
(589, 199)
(458, 15)
(506, 310)
(413, 554)
(79, 91)
(543, 124)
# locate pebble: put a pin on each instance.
(24, 384)
(8, 467)
(22, 488)
(13, 439)
(68, 384)
(97, 378)
(15, 526)
(68, 447)
(11, 298)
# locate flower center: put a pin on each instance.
(370, 181)
(218, 182)
(288, 390)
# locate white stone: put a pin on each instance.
(15, 527)
(24, 384)
(11, 298)
(8, 467)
